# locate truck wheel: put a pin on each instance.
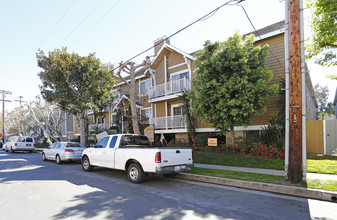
(136, 173)
(86, 164)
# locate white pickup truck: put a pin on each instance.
(135, 154)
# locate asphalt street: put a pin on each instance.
(34, 189)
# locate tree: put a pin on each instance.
(132, 70)
(322, 95)
(16, 122)
(48, 117)
(186, 97)
(231, 83)
(75, 83)
(323, 45)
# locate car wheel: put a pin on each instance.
(58, 159)
(30, 151)
(136, 173)
(86, 166)
(44, 157)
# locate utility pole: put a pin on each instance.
(3, 111)
(295, 94)
(20, 97)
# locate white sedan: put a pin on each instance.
(63, 151)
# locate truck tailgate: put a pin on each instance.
(176, 156)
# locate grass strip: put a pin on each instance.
(237, 175)
(235, 160)
(330, 185)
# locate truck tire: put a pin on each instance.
(135, 173)
(86, 164)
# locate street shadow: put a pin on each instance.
(116, 197)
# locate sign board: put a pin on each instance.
(101, 135)
(213, 142)
(149, 132)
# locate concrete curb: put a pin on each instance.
(267, 187)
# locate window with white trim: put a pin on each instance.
(145, 114)
(145, 86)
(180, 75)
(100, 120)
(113, 118)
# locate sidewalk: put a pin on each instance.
(265, 171)
(266, 187)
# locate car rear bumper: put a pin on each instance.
(23, 148)
(174, 169)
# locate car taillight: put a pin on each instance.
(16, 144)
(68, 150)
(34, 145)
(158, 157)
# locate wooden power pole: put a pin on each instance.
(295, 93)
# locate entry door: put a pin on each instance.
(177, 116)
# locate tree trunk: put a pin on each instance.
(232, 135)
(133, 101)
(82, 129)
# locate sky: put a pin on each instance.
(116, 30)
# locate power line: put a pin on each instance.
(58, 21)
(83, 19)
(96, 22)
(251, 23)
(203, 18)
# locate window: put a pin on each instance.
(100, 120)
(113, 142)
(29, 139)
(102, 143)
(134, 140)
(114, 118)
(144, 86)
(145, 114)
(177, 76)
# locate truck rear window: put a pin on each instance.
(134, 140)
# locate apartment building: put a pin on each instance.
(158, 91)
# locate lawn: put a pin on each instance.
(322, 164)
(238, 161)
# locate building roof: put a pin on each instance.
(276, 27)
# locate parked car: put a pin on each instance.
(20, 143)
(134, 153)
(63, 151)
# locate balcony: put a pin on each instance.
(169, 122)
(169, 90)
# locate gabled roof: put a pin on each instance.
(127, 97)
(172, 48)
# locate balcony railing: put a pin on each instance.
(169, 88)
(169, 122)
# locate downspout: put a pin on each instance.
(165, 73)
(286, 49)
(304, 111)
